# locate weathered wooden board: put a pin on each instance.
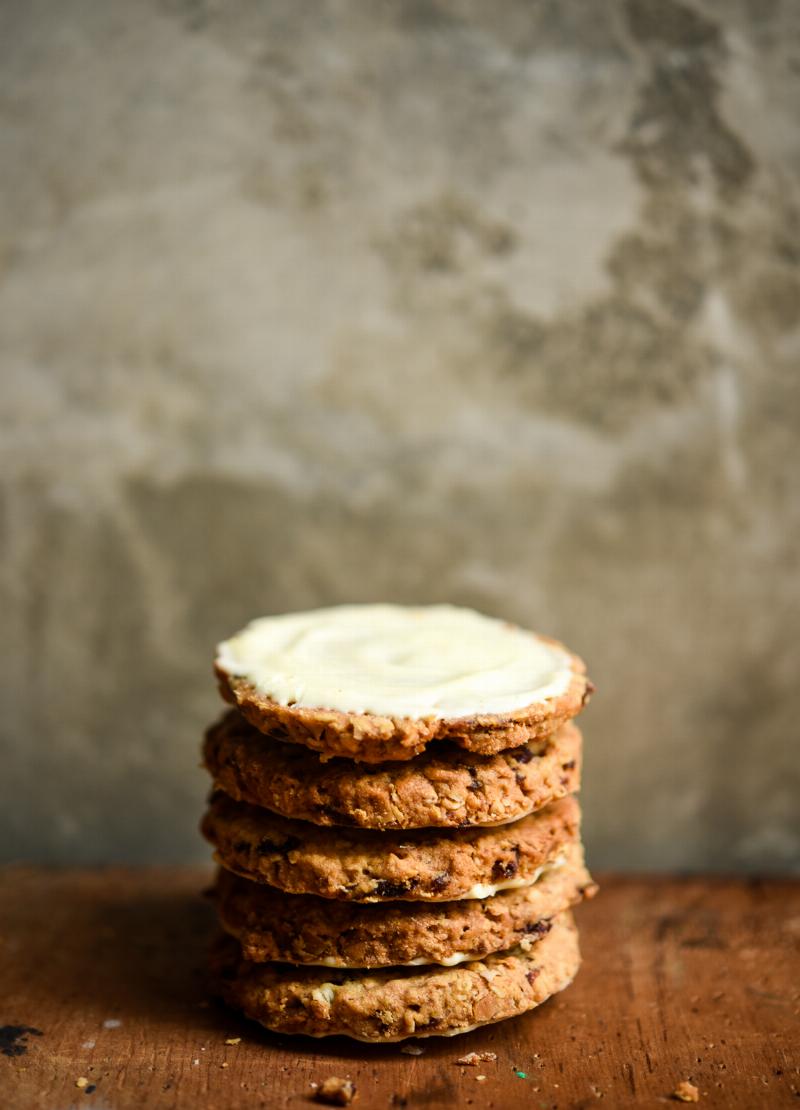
(683, 979)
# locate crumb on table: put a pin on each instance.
(336, 1092)
(472, 1059)
(686, 1092)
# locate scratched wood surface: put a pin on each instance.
(683, 980)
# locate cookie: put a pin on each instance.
(396, 1003)
(377, 683)
(367, 866)
(302, 929)
(443, 788)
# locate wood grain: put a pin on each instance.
(683, 979)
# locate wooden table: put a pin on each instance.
(683, 980)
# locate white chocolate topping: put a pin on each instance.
(436, 661)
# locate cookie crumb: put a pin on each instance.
(480, 1078)
(686, 1092)
(82, 1082)
(336, 1092)
(224, 1065)
(412, 1049)
(233, 1040)
(472, 1059)
(112, 1023)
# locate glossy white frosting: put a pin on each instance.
(434, 661)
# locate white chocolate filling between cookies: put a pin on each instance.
(406, 1036)
(488, 890)
(435, 661)
(326, 992)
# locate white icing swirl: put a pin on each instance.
(436, 661)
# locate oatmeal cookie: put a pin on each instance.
(367, 866)
(377, 683)
(443, 788)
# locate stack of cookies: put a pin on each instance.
(394, 820)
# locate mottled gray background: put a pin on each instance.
(496, 303)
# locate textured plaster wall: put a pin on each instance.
(496, 303)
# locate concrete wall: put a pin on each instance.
(492, 303)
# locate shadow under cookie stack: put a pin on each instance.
(394, 820)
